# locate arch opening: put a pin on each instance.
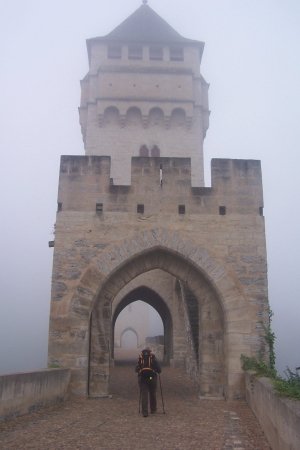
(144, 321)
(129, 338)
(196, 342)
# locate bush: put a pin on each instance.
(259, 366)
(289, 387)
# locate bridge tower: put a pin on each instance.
(135, 221)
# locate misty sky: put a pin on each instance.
(252, 62)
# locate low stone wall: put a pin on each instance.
(21, 393)
(279, 417)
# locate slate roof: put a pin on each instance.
(145, 25)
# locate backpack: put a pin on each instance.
(146, 366)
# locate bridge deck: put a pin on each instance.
(114, 423)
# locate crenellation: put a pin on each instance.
(85, 181)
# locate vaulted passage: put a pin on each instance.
(188, 306)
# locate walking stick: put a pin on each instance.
(140, 400)
(161, 393)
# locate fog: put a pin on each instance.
(251, 60)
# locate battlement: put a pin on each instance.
(160, 185)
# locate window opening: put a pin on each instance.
(114, 51)
(135, 52)
(176, 54)
(144, 150)
(155, 151)
(140, 208)
(156, 53)
(222, 210)
(99, 207)
(59, 206)
(181, 209)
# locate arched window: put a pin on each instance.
(134, 117)
(155, 151)
(111, 116)
(144, 150)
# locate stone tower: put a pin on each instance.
(135, 222)
(144, 85)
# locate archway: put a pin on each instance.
(131, 331)
(203, 349)
(218, 292)
(153, 299)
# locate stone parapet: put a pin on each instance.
(22, 393)
(278, 416)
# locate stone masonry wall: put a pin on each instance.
(225, 221)
(21, 393)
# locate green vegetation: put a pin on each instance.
(53, 366)
(270, 339)
(289, 386)
(259, 366)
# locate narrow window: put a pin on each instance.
(155, 151)
(59, 206)
(135, 52)
(99, 207)
(222, 210)
(114, 51)
(140, 209)
(181, 209)
(156, 53)
(176, 54)
(144, 150)
(261, 211)
(51, 244)
(111, 181)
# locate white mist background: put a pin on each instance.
(252, 62)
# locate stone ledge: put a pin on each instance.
(22, 393)
(278, 416)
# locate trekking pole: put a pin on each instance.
(161, 393)
(140, 400)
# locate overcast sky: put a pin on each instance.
(252, 62)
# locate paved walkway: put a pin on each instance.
(114, 423)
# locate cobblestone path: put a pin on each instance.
(114, 423)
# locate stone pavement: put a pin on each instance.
(114, 423)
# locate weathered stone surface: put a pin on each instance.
(25, 392)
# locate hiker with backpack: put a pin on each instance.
(147, 369)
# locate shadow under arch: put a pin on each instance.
(153, 299)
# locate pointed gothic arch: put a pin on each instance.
(152, 298)
(210, 372)
(197, 270)
(133, 331)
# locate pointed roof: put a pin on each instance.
(145, 25)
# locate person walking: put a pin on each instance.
(147, 369)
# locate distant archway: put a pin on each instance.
(131, 330)
(153, 299)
